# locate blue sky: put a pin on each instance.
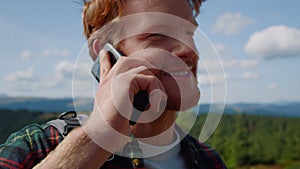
(258, 43)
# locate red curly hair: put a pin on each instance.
(97, 13)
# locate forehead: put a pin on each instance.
(180, 8)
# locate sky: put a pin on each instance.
(258, 44)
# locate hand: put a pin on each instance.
(108, 125)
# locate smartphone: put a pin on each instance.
(114, 56)
(140, 100)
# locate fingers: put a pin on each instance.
(153, 86)
(136, 73)
(123, 64)
(142, 79)
(105, 64)
(130, 83)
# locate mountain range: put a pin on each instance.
(48, 105)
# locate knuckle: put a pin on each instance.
(153, 78)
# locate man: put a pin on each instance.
(161, 60)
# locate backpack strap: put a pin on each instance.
(67, 121)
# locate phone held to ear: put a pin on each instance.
(114, 56)
(140, 100)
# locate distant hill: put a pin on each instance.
(291, 109)
(3, 96)
(46, 104)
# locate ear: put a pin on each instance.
(97, 46)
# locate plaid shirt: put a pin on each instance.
(27, 147)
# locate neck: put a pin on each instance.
(159, 132)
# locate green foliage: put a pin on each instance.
(13, 120)
(293, 165)
(245, 140)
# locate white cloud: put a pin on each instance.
(274, 42)
(251, 75)
(64, 73)
(272, 87)
(64, 69)
(21, 76)
(57, 84)
(224, 52)
(229, 23)
(212, 79)
(26, 54)
(78, 76)
(230, 61)
(55, 52)
(229, 64)
(250, 63)
(211, 66)
(83, 71)
(222, 49)
(21, 80)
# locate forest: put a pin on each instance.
(252, 140)
(244, 141)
